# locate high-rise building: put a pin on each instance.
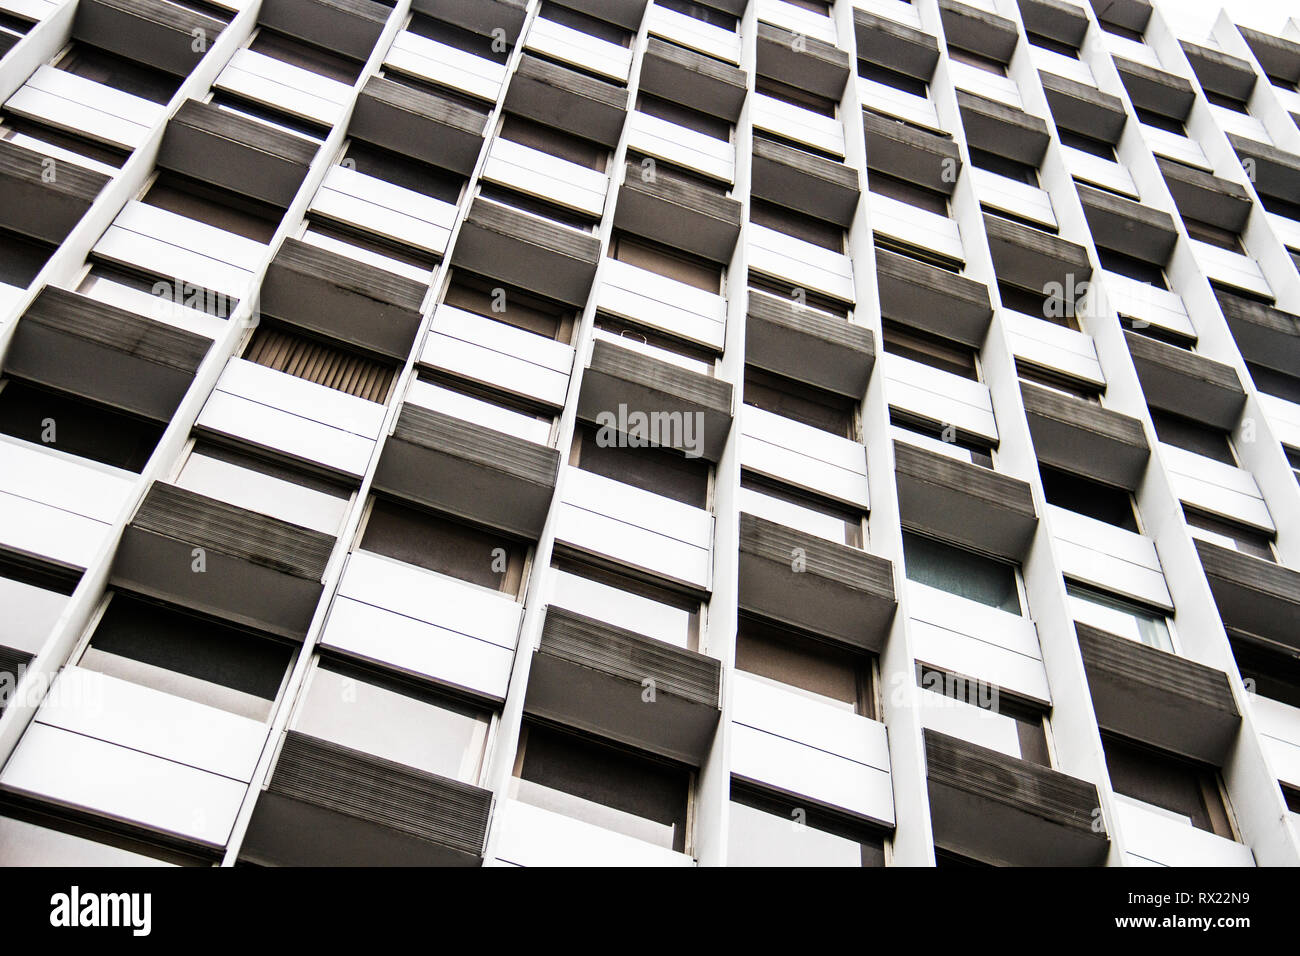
(689, 432)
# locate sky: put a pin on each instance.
(1192, 19)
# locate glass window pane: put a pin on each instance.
(962, 573)
(1119, 617)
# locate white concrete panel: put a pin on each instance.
(1019, 199)
(1215, 487)
(804, 456)
(83, 106)
(537, 173)
(1094, 170)
(939, 396)
(882, 98)
(914, 226)
(296, 91)
(532, 836)
(795, 123)
(1138, 300)
(645, 530)
(445, 65)
(140, 718)
(801, 264)
(797, 20)
(1093, 552)
(972, 79)
(124, 784)
(676, 144)
(693, 34)
(385, 209)
(488, 415)
(1231, 268)
(497, 354)
(647, 298)
(970, 639)
(1154, 835)
(1053, 346)
(1175, 146)
(580, 49)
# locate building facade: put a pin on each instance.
(689, 432)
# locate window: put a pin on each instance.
(521, 310)
(606, 786)
(1160, 121)
(977, 60)
(269, 116)
(33, 835)
(1119, 617)
(33, 597)
(1010, 168)
(1121, 31)
(899, 81)
(667, 262)
(38, 136)
(803, 403)
(940, 438)
(626, 602)
(961, 572)
(296, 53)
(327, 364)
(389, 718)
(803, 297)
(92, 63)
(1087, 144)
(200, 659)
(217, 207)
(489, 46)
(1272, 382)
(436, 543)
(268, 488)
(1028, 720)
(1187, 791)
(1268, 669)
(827, 673)
(600, 29)
(152, 295)
(403, 171)
(1091, 498)
(797, 225)
(927, 256)
(1225, 101)
(684, 116)
(1036, 303)
(1205, 232)
(21, 259)
(800, 509)
(1230, 534)
(795, 96)
(767, 830)
(661, 471)
(76, 426)
(538, 207)
(548, 139)
(703, 11)
(1058, 382)
(1193, 436)
(932, 350)
(883, 184)
(654, 343)
(382, 252)
(1131, 266)
(1156, 332)
(1051, 43)
(1286, 208)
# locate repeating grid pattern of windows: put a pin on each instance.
(647, 432)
